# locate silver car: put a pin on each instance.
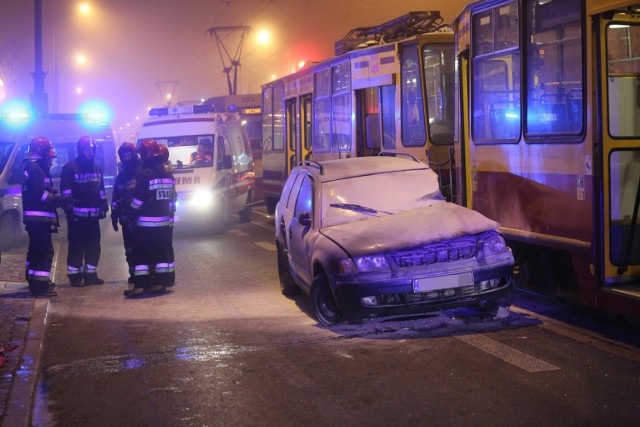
(373, 236)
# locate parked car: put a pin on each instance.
(373, 236)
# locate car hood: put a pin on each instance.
(429, 224)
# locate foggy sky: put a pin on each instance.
(131, 45)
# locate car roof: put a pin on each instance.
(331, 170)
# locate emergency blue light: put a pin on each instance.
(181, 109)
(16, 113)
(95, 112)
(158, 111)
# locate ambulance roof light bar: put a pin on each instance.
(181, 109)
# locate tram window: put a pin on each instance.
(483, 32)
(438, 72)
(341, 108)
(322, 83)
(623, 76)
(341, 123)
(341, 77)
(267, 121)
(371, 122)
(322, 126)
(278, 118)
(496, 76)
(322, 111)
(554, 77)
(413, 127)
(388, 107)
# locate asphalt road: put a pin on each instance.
(224, 347)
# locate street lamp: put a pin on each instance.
(84, 9)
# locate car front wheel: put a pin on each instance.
(287, 286)
(324, 304)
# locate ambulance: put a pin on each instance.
(211, 160)
(17, 129)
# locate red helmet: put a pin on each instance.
(41, 147)
(126, 147)
(148, 148)
(164, 152)
(84, 142)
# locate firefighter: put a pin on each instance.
(164, 151)
(85, 203)
(122, 193)
(151, 214)
(39, 202)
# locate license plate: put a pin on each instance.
(425, 284)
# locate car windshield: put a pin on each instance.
(359, 198)
(186, 152)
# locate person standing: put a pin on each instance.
(151, 214)
(164, 153)
(39, 202)
(85, 203)
(122, 194)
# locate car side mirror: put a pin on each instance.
(226, 161)
(305, 219)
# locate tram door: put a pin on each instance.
(305, 127)
(465, 178)
(618, 50)
(291, 110)
(368, 122)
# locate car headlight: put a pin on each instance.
(364, 264)
(202, 199)
(494, 245)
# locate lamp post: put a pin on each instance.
(83, 9)
(39, 100)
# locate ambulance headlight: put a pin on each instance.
(202, 199)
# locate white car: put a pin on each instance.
(373, 236)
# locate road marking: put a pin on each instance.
(260, 222)
(267, 246)
(238, 233)
(54, 263)
(508, 354)
(584, 336)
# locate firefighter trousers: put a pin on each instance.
(39, 256)
(84, 248)
(153, 255)
(129, 242)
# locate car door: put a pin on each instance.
(300, 232)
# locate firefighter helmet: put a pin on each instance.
(164, 153)
(84, 142)
(148, 148)
(42, 148)
(126, 147)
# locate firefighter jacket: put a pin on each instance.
(123, 189)
(82, 187)
(153, 202)
(39, 197)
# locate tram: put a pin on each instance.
(389, 88)
(547, 141)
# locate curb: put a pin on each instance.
(23, 388)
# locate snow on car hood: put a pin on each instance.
(428, 224)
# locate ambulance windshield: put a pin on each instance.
(192, 151)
